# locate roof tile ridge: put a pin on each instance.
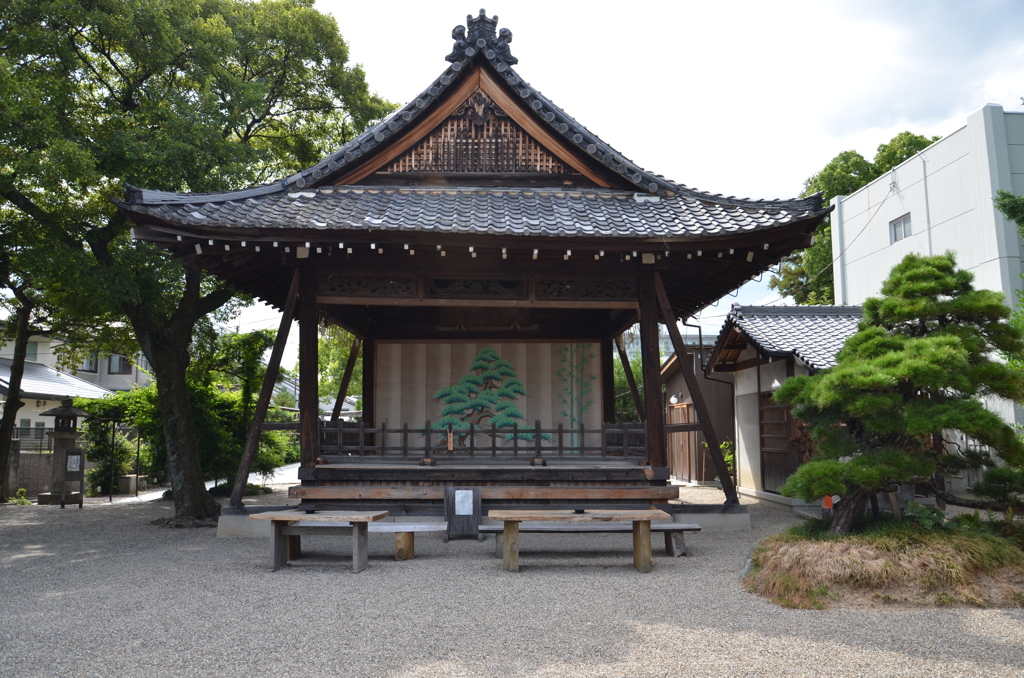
(811, 203)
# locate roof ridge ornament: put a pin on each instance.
(481, 35)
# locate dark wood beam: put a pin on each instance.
(266, 392)
(649, 349)
(369, 379)
(309, 396)
(696, 395)
(607, 381)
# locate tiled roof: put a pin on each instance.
(814, 334)
(528, 212)
(479, 40)
(42, 381)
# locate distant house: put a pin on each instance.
(44, 384)
(940, 199)
(761, 347)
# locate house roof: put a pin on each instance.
(812, 334)
(40, 381)
(584, 213)
(598, 201)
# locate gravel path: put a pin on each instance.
(101, 592)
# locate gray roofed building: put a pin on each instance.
(40, 381)
(812, 334)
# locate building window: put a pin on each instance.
(91, 363)
(119, 364)
(899, 228)
(31, 350)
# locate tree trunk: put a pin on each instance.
(14, 403)
(848, 507)
(193, 504)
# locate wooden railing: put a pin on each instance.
(627, 440)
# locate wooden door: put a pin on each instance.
(681, 446)
(780, 455)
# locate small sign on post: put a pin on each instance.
(74, 469)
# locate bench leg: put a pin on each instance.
(510, 550)
(498, 548)
(642, 546)
(675, 544)
(294, 547)
(405, 545)
(278, 545)
(359, 546)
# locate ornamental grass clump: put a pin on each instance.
(892, 562)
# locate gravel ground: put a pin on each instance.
(101, 592)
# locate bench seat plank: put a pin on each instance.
(675, 541)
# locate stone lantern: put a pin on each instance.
(68, 461)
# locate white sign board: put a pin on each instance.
(463, 502)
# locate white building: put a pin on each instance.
(43, 384)
(940, 199)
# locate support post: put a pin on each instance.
(728, 486)
(309, 400)
(266, 392)
(654, 408)
(607, 381)
(353, 355)
(620, 344)
(369, 362)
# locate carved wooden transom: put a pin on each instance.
(478, 137)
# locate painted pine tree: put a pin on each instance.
(485, 396)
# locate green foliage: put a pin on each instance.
(625, 407)
(192, 95)
(20, 498)
(806, 276)
(334, 346)
(924, 357)
(928, 517)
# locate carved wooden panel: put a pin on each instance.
(587, 289)
(477, 288)
(478, 137)
(367, 286)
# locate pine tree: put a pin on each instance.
(926, 355)
(485, 396)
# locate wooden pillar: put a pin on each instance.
(653, 407)
(607, 381)
(699, 405)
(369, 379)
(266, 392)
(309, 378)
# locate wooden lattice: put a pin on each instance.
(480, 138)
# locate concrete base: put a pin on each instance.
(711, 517)
(234, 523)
(53, 498)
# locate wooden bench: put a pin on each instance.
(639, 520)
(287, 528)
(675, 542)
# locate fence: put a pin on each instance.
(439, 442)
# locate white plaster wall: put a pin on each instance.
(948, 190)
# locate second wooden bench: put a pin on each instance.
(675, 542)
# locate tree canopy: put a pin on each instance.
(806, 276)
(924, 360)
(182, 95)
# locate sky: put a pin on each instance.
(740, 98)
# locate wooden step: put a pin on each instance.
(340, 492)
